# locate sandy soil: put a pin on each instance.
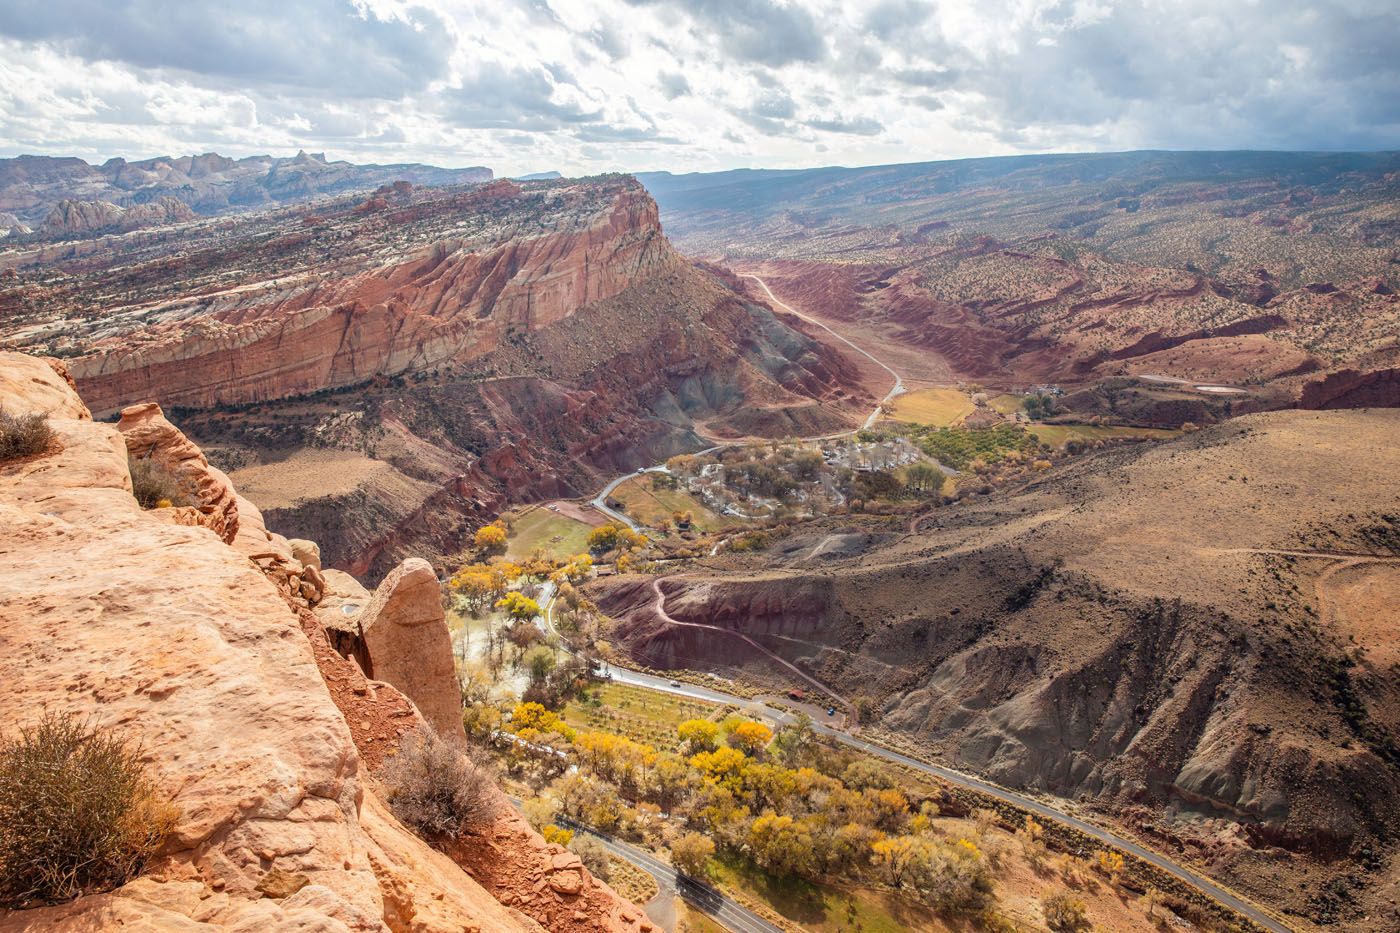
(1364, 603)
(578, 511)
(309, 473)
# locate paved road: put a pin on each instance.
(600, 501)
(729, 913)
(1212, 890)
(622, 675)
(896, 389)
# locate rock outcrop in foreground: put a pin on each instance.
(406, 639)
(148, 622)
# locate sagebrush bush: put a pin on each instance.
(594, 856)
(154, 487)
(1065, 913)
(78, 812)
(23, 435)
(435, 788)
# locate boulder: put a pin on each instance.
(150, 436)
(194, 652)
(31, 384)
(404, 632)
(175, 639)
(301, 586)
(308, 552)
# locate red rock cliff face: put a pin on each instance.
(193, 647)
(447, 302)
(1350, 388)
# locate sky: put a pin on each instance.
(693, 85)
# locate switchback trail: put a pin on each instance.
(660, 609)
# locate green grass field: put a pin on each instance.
(561, 537)
(1057, 435)
(938, 408)
(638, 713)
(1006, 404)
(958, 447)
(651, 506)
(823, 908)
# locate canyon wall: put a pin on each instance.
(444, 302)
(398, 368)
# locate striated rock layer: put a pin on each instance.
(200, 651)
(395, 370)
(449, 300)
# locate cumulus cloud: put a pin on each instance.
(325, 45)
(529, 85)
(858, 126)
(673, 84)
(760, 31)
(506, 96)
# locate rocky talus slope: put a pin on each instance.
(192, 630)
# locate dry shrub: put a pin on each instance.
(23, 435)
(154, 486)
(594, 856)
(78, 813)
(436, 789)
(1065, 913)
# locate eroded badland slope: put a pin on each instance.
(192, 632)
(1197, 637)
(1275, 273)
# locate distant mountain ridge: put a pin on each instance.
(850, 191)
(1279, 271)
(33, 187)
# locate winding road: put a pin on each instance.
(729, 912)
(896, 389)
(669, 882)
(600, 501)
(1042, 809)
